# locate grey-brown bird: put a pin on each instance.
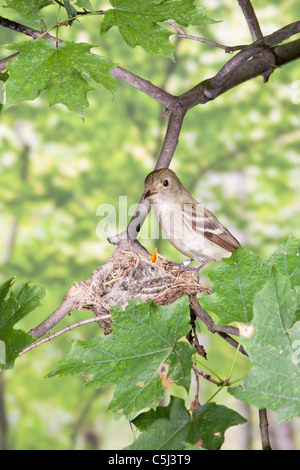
(188, 225)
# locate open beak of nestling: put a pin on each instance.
(150, 193)
(154, 257)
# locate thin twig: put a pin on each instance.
(132, 429)
(196, 402)
(64, 330)
(182, 34)
(206, 376)
(264, 429)
(4, 61)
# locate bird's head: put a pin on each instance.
(161, 185)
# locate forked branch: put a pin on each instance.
(259, 58)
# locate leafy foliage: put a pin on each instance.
(246, 286)
(237, 279)
(274, 380)
(244, 158)
(173, 427)
(146, 337)
(59, 70)
(142, 356)
(235, 282)
(71, 11)
(286, 259)
(30, 9)
(15, 304)
(138, 22)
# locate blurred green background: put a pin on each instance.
(240, 154)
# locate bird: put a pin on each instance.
(187, 224)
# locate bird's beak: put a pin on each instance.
(150, 193)
(154, 257)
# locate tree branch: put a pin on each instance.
(245, 70)
(126, 238)
(64, 309)
(245, 65)
(145, 86)
(222, 330)
(75, 298)
(229, 76)
(251, 19)
(34, 33)
(236, 71)
(256, 34)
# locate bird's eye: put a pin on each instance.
(166, 183)
(152, 271)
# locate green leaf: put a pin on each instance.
(4, 288)
(273, 348)
(297, 291)
(15, 304)
(172, 427)
(29, 9)
(59, 70)
(138, 21)
(235, 281)
(144, 344)
(71, 11)
(86, 4)
(286, 259)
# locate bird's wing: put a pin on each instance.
(204, 222)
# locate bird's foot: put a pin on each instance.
(185, 265)
(208, 260)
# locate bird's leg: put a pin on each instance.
(185, 265)
(208, 260)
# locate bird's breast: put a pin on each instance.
(182, 235)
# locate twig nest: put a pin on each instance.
(136, 276)
(127, 275)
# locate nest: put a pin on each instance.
(136, 276)
(128, 275)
